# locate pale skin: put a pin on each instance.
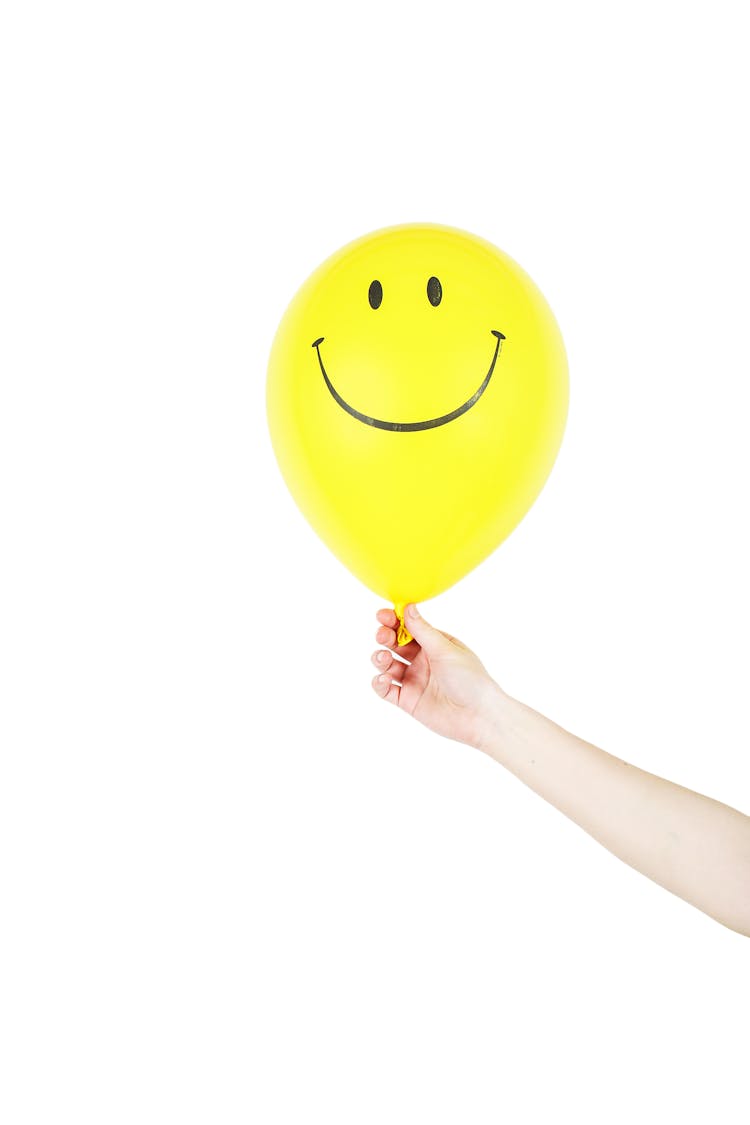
(692, 845)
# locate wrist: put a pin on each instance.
(494, 719)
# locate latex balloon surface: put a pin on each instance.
(417, 395)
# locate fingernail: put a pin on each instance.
(381, 657)
(413, 611)
(383, 679)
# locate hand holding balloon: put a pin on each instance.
(443, 685)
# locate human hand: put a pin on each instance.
(443, 685)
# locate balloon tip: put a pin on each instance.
(403, 636)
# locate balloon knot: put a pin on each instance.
(403, 636)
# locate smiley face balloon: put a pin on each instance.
(417, 396)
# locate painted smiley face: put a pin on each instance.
(375, 296)
(434, 294)
(417, 390)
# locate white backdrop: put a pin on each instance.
(235, 886)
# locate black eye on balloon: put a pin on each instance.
(375, 294)
(434, 291)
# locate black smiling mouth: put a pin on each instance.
(410, 427)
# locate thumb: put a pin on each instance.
(426, 635)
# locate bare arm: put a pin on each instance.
(693, 846)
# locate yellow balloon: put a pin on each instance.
(417, 395)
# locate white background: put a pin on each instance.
(236, 887)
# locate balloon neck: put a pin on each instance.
(403, 636)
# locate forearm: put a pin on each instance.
(694, 846)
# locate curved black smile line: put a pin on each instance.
(406, 427)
